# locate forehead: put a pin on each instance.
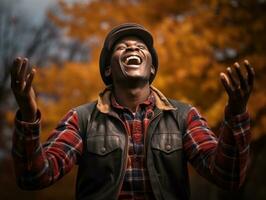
(128, 39)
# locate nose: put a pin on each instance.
(132, 47)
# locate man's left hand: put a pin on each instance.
(238, 87)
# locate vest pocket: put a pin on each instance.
(103, 144)
(166, 142)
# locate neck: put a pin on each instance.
(131, 97)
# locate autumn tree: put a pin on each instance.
(44, 44)
(195, 41)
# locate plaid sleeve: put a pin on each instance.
(38, 166)
(221, 160)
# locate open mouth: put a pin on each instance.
(132, 60)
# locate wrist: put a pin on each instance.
(232, 111)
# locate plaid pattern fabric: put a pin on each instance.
(40, 165)
(136, 184)
(222, 160)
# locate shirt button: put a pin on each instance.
(103, 149)
(168, 147)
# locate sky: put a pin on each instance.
(35, 8)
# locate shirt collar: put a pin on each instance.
(149, 102)
(104, 100)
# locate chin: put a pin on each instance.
(132, 80)
(136, 80)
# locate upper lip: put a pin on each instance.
(126, 56)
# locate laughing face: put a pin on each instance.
(131, 61)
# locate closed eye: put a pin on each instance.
(120, 47)
(142, 47)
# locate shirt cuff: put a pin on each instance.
(27, 129)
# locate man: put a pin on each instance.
(133, 142)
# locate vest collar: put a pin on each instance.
(104, 102)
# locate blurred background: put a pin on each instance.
(195, 40)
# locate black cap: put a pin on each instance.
(117, 33)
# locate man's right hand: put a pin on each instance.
(21, 83)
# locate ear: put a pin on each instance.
(152, 69)
(107, 71)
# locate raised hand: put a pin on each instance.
(21, 83)
(238, 87)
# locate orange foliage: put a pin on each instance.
(63, 88)
(195, 40)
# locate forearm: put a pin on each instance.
(32, 172)
(218, 160)
(28, 155)
(38, 166)
(232, 154)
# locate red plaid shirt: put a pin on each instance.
(136, 183)
(223, 160)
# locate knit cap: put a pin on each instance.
(119, 32)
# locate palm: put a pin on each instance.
(238, 87)
(21, 84)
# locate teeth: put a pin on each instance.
(133, 57)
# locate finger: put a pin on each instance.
(251, 73)
(242, 80)
(226, 83)
(15, 83)
(15, 68)
(231, 78)
(23, 71)
(29, 80)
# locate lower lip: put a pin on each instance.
(132, 66)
